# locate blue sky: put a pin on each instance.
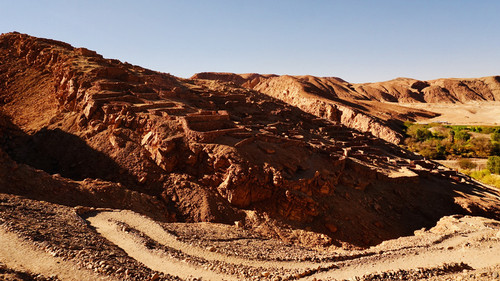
(357, 40)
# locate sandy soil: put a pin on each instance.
(473, 113)
(478, 248)
(21, 255)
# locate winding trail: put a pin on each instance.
(21, 255)
(105, 224)
(136, 249)
(406, 254)
(467, 240)
(476, 258)
(157, 233)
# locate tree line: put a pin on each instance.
(437, 141)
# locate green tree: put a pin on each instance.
(481, 147)
(495, 149)
(493, 164)
(489, 130)
(462, 135)
(477, 129)
(495, 136)
(452, 136)
(419, 132)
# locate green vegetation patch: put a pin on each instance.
(493, 164)
(484, 176)
(438, 141)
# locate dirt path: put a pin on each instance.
(136, 249)
(157, 233)
(468, 240)
(18, 254)
(476, 258)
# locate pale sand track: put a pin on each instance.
(20, 255)
(429, 250)
(476, 258)
(466, 240)
(104, 222)
(132, 245)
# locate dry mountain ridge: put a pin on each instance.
(368, 107)
(109, 133)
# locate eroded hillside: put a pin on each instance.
(79, 129)
(368, 107)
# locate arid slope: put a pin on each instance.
(368, 107)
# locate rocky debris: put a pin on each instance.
(447, 271)
(14, 178)
(319, 102)
(422, 273)
(79, 129)
(59, 231)
(241, 271)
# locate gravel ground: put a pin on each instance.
(239, 254)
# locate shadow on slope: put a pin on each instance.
(58, 152)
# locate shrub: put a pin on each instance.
(486, 177)
(408, 124)
(489, 130)
(477, 129)
(466, 164)
(462, 135)
(495, 149)
(495, 136)
(459, 148)
(440, 132)
(481, 147)
(419, 132)
(493, 164)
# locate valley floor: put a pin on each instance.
(472, 113)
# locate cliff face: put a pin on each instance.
(364, 106)
(206, 150)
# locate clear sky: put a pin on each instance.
(357, 40)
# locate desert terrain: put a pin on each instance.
(470, 113)
(110, 171)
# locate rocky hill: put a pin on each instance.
(366, 107)
(79, 129)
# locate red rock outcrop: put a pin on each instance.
(209, 150)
